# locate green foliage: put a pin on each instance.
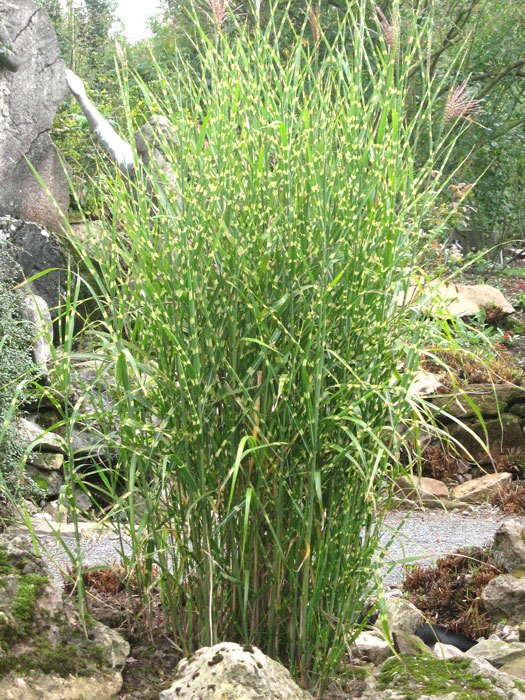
(250, 333)
(15, 366)
(519, 302)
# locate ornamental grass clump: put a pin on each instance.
(249, 320)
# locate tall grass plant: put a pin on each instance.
(249, 329)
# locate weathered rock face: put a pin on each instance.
(29, 99)
(43, 648)
(504, 597)
(497, 652)
(482, 489)
(33, 250)
(508, 549)
(234, 672)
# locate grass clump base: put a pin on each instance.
(417, 675)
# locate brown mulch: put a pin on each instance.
(153, 657)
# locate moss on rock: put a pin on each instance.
(25, 600)
(416, 676)
(64, 659)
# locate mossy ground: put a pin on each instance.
(417, 675)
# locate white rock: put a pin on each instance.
(371, 646)
(497, 652)
(446, 651)
(233, 672)
(35, 310)
(29, 433)
(402, 616)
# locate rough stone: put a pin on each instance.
(42, 634)
(446, 651)
(481, 489)
(234, 672)
(458, 300)
(488, 399)
(29, 99)
(49, 481)
(116, 648)
(47, 461)
(425, 384)
(508, 549)
(409, 644)
(500, 680)
(371, 646)
(37, 686)
(515, 668)
(29, 433)
(503, 434)
(504, 597)
(34, 250)
(449, 680)
(422, 489)
(34, 310)
(518, 409)
(497, 652)
(402, 616)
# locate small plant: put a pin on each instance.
(511, 497)
(519, 302)
(449, 592)
(438, 463)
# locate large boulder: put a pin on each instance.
(497, 652)
(44, 652)
(504, 597)
(490, 440)
(33, 250)
(482, 489)
(508, 549)
(229, 671)
(29, 99)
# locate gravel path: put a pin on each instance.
(420, 536)
(423, 536)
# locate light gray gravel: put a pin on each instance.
(417, 537)
(425, 535)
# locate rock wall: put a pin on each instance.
(29, 99)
